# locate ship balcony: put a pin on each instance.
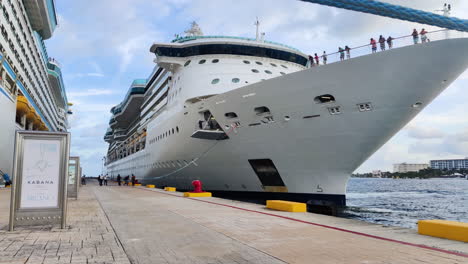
(58, 88)
(42, 16)
(120, 134)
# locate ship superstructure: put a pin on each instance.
(248, 116)
(32, 92)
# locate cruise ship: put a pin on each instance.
(249, 117)
(32, 91)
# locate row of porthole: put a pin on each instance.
(201, 62)
(236, 80)
(260, 63)
(245, 61)
(164, 135)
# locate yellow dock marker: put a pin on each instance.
(170, 189)
(201, 194)
(444, 229)
(286, 206)
(137, 184)
(150, 186)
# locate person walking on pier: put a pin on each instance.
(382, 43)
(100, 179)
(373, 43)
(324, 58)
(126, 180)
(133, 180)
(119, 179)
(83, 180)
(105, 179)
(415, 36)
(390, 42)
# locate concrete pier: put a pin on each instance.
(145, 225)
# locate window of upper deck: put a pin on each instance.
(232, 49)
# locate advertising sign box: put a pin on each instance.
(40, 167)
(73, 177)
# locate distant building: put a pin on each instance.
(450, 164)
(407, 167)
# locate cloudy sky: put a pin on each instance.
(103, 45)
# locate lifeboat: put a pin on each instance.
(37, 120)
(31, 116)
(42, 127)
(22, 106)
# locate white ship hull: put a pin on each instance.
(315, 155)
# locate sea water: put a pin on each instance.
(402, 202)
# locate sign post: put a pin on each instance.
(73, 174)
(39, 192)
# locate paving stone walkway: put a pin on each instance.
(156, 227)
(89, 237)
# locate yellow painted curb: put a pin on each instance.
(170, 189)
(150, 185)
(137, 184)
(192, 194)
(286, 206)
(444, 229)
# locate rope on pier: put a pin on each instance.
(398, 12)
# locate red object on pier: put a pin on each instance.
(197, 186)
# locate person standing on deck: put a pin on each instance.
(311, 61)
(317, 60)
(324, 58)
(390, 42)
(374, 45)
(382, 43)
(415, 36)
(348, 52)
(341, 51)
(119, 179)
(423, 35)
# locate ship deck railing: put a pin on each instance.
(398, 42)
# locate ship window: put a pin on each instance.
(268, 72)
(215, 81)
(274, 65)
(259, 63)
(230, 115)
(177, 129)
(235, 80)
(247, 62)
(201, 61)
(215, 61)
(284, 66)
(324, 98)
(261, 110)
(282, 73)
(255, 70)
(187, 63)
(172, 131)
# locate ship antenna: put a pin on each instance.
(257, 24)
